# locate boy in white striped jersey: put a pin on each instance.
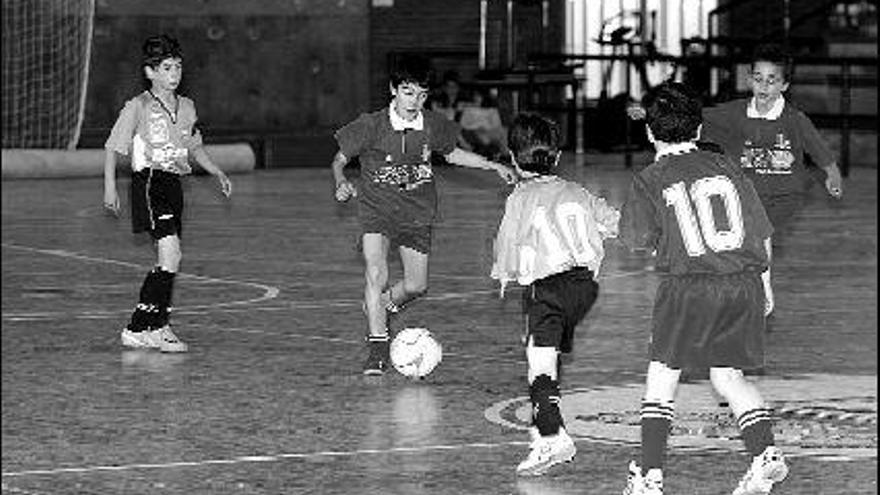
(157, 128)
(550, 240)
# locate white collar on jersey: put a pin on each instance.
(398, 124)
(676, 149)
(773, 114)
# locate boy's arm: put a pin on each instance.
(505, 255)
(119, 141)
(353, 139)
(606, 216)
(833, 180)
(345, 190)
(111, 198)
(636, 226)
(204, 161)
(815, 146)
(470, 159)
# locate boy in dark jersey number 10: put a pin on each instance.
(701, 215)
(769, 138)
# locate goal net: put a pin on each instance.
(46, 47)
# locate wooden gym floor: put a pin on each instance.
(270, 398)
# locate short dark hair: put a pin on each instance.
(158, 48)
(775, 54)
(534, 142)
(413, 69)
(673, 112)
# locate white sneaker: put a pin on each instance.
(139, 340)
(168, 342)
(649, 484)
(766, 469)
(546, 452)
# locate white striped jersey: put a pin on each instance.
(156, 137)
(551, 225)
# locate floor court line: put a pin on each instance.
(220, 307)
(269, 292)
(350, 453)
(264, 458)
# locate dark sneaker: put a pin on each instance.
(378, 360)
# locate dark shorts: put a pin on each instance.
(156, 203)
(406, 221)
(554, 306)
(703, 321)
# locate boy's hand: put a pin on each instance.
(635, 111)
(225, 184)
(111, 202)
(834, 182)
(345, 190)
(508, 174)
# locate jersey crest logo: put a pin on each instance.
(157, 129)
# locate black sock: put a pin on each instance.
(656, 419)
(164, 291)
(545, 397)
(152, 309)
(757, 430)
(143, 318)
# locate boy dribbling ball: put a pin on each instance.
(397, 197)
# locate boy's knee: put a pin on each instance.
(376, 275)
(541, 361)
(661, 382)
(723, 378)
(169, 254)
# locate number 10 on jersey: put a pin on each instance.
(696, 218)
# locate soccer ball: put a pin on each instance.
(415, 352)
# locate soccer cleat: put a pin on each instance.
(546, 452)
(379, 358)
(649, 484)
(766, 469)
(139, 340)
(168, 342)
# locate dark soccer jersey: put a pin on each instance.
(770, 151)
(700, 214)
(396, 165)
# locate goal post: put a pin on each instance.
(46, 49)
